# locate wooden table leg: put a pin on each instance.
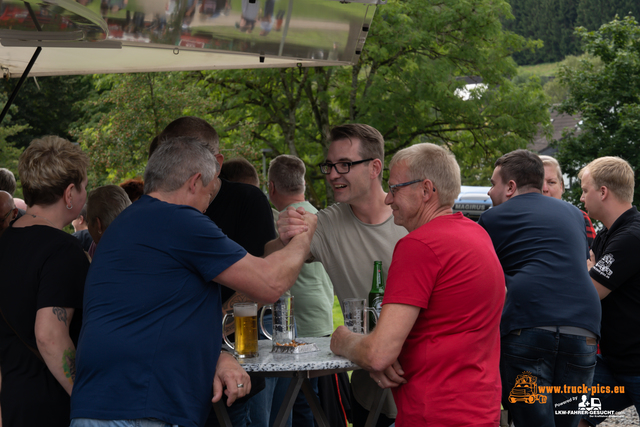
(289, 398)
(314, 403)
(221, 414)
(374, 413)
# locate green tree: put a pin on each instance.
(46, 105)
(9, 153)
(124, 115)
(406, 84)
(608, 99)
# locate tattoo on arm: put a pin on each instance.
(69, 364)
(61, 313)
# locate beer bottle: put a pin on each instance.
(377, 292)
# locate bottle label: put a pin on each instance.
(377, 304)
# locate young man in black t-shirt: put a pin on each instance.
(607, 192)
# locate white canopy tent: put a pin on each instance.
(66, 37)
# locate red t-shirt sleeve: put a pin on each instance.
(411, 279)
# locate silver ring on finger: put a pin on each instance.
(240, 385)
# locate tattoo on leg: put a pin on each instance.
(69, 364)
(61, 313)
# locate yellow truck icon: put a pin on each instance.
(526, 390)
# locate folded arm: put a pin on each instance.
(55, 345)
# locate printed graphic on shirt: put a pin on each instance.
(604, 266)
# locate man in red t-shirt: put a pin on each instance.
(437, 343)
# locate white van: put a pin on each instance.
(473, 201)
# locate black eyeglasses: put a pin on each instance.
(393, 188)
(341, 167)
(7, 215)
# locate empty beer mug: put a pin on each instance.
(283, 321)
(355, 318)
(246, 319)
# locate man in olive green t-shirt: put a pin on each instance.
(351, 235)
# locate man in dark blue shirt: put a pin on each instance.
(551, 318)
(149, 351)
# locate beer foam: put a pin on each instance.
(244, 311)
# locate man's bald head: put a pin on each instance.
(8, 210)
(5, 199)
(189, 126)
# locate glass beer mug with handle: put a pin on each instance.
(354, 311)
(283, 321)
(246, 320)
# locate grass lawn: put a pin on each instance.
(540, 69)
(337, 313)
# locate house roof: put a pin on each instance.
(560, 122)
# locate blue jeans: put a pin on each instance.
(614, 401)
(531, 358)
(142, 422)
(264, 406)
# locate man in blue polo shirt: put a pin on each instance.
(149, 350)
(607, 193)
(551, 316)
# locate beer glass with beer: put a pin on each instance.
(246, 320)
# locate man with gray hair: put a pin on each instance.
(437, 342)
(150, 345)
(313, 291)
(243, 213)
(7, 181)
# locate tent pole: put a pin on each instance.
(27, 70)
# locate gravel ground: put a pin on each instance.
(626, 418)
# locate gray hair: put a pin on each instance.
(176, 160)
(430, 161)
(7, 181)
(106, 203)
(287, 173)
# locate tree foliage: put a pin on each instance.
(553, 22)
(406, 84)
(9, 153)
(607, 97)
(46, 106)
(124, 115)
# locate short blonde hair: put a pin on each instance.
(550, 161)
(614, 173)
(48, 166)
(433, 162)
